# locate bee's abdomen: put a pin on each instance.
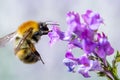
(27, 56)
(31, 58)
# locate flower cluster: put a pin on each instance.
(83, 33)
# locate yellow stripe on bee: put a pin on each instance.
(21, 54)
(26, 26)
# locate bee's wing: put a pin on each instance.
(7, 38)
(22, 40)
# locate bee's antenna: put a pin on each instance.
(52, 24)
(48, 21)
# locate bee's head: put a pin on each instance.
(44, 30)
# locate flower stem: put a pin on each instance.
(111, 75)
(108, 69)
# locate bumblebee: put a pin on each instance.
(25, 37)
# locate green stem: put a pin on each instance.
(108, 70)
(113, 74)
(110, 74)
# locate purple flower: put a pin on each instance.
(70, 64)
(70, 61)
(83, 35)
(87, 33)
(75, 42)
(83, 63)
(87, 65)
(103, 47)
(93, 20)
(88, 46)
(87, 40)
(73, 21)
(77, 31)
(55, 35)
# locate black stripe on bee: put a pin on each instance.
(36, 36)
(17, 38)
(31, 58)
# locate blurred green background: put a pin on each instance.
(15, 12)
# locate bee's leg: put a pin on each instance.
(42, 60)
(38, 55)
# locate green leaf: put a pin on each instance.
(114, 70)
(117, 57)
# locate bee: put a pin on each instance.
(25, 37)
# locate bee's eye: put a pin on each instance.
(43, 27)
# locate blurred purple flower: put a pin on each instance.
(103, 48)
(87, 33)
(70, 64)
(70, 61)
(88, 65)
(76, 42)
(93, 20)
(88, 46)
(73, 21)
(83, 36)
(55, 35)
(83, 63)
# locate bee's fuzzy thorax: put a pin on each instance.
(26, 26)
